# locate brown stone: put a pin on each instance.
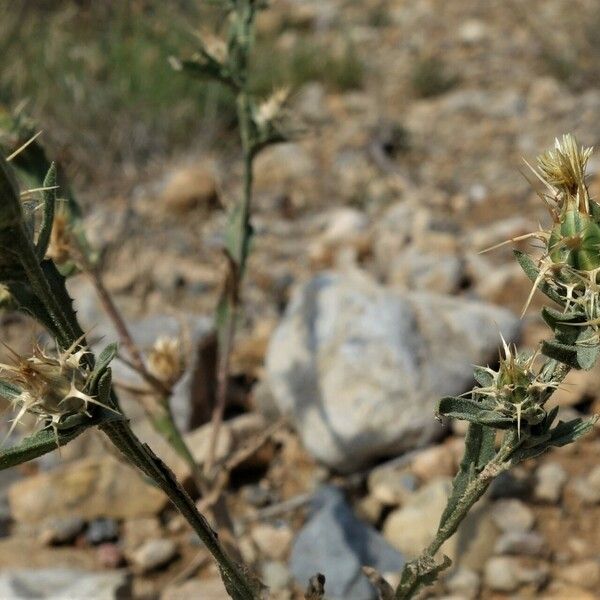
(88, 488)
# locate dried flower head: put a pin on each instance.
(52, 386)
(271, 109)
(563, 167)
(166, 361)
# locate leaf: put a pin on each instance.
(59, 290)
(482, 376)
(47, 440)
(479, 450)
(49, 197)
(575, 356)
(10, 205)
(530, 269)
(565, 433)
(555, 317)
(561, 435)
(238, 235)
(28, 303)
(466, 409)
(9, 391)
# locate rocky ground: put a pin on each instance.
(366, 300)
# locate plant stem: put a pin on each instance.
(448, 526)
(236, 581)
(231, 299)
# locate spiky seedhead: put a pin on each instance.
(52, 386)
(166, 361)
(516, 388)
(563, 167)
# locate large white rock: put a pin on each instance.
(359, 368)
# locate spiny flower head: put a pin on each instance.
(516, 388)
(52, 386)
(166, 361)
(563, 167)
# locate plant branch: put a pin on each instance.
(239, 237)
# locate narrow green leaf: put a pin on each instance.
(482, 376)
(47, 440)
(49, 197)
(466, 409)
(565, 433)
(9, 391)
(532, 272)
(479, 450)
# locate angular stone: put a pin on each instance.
(550, 480)
(359, 368)
(334, 542)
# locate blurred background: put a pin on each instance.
(366, 296)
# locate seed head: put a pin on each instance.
(166, 361)
(52, 386)
(563, 167)
(516, 388)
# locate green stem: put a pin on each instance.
(236, 581)
(165, 425)
(412, 575)
(230, 303)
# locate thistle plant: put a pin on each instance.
(512, 400)
(62, 238)
(261, 124)
(70, 389)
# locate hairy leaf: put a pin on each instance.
(47, 439)
(466, 409)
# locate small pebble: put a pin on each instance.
(275, 575)
(524, 543)
(500, 574)
(464, 583)
(588, 488)
(273, 542)
(436, 461)
(369, 509)
(102, 530)
(392, 486)
(257, 495)
(61, 531)
(508, 573)
(550, 480)
(585, 573)
(154, 554)
(510, 485)
(512, 515)
(109, 556)
(136, 531)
